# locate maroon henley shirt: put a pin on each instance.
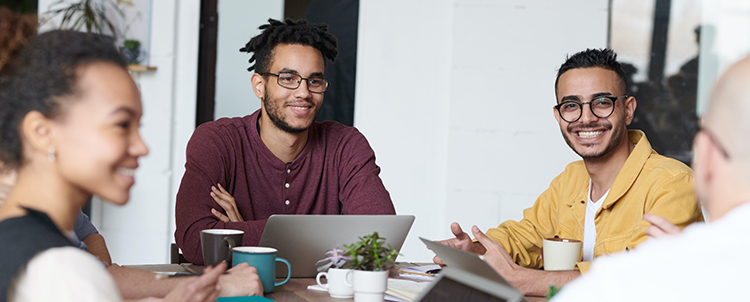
(334, 174)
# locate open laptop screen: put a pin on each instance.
(304, 239)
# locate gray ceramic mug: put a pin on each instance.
(217, 245)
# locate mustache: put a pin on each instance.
(572, 128)
(298, 101)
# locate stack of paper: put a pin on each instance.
(401, 290)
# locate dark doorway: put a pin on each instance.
(206, 94)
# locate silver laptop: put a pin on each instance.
(304, 239)
(470, 271)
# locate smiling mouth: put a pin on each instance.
(126, 172)
(589, 134)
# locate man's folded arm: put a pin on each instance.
(205, 168)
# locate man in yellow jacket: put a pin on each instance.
(600, 200)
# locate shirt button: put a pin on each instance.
(286, 185)
(582, 202)
(286, 202)
(288, 171)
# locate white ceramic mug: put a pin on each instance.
(369, 286)
(561, 254)
(336, 286)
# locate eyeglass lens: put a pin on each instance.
(571, 111)
(292, 81)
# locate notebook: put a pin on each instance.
(304, 239)
(467, 276)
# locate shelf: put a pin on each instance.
(135, 67)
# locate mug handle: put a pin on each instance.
(288, 271)
(320, 275)
(229, 242)
(346, 278)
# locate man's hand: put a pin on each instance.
(241, 280)
(660, 226)
(226, 201)
(496, 256)
(462, 241)
(203, 288)
(530, 282)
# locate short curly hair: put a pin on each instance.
(289, 32)
(42, 77)
(603, 58)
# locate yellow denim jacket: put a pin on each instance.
(647, 183)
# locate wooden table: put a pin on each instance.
(296, 290)
(293, 291)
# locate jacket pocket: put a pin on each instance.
(611, 245)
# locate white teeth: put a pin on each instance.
(126, 171)
(589, 134)
(301, 108)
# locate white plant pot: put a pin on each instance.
(368, 286)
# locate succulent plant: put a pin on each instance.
(371, 254)
(335, 258)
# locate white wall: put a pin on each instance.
(238, 22)
(456, 98)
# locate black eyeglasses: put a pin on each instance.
(601, 107)
(293, 80)
(715, 142)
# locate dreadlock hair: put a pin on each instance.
(289, 32)
(604, 58)
(43, 77)
(14, 30)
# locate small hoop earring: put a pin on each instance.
(51, 157)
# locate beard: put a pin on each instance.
(616, 140)
(279, 119)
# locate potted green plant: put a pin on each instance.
(87, 15)
(371, 259)
(131, 49)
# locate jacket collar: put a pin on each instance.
(627, 175)
(632, 167)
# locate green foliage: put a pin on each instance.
(553, 290)
(371, 254)
(88, 15)
(131, 44)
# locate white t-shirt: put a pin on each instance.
(65, 274)
(707, 262)
(589, 227)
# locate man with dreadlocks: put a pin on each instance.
(278, 160)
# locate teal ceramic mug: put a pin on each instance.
(264, 260)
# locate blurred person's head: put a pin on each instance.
(593, 108)
(721, 150)
(290, 59)
(70, 115)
